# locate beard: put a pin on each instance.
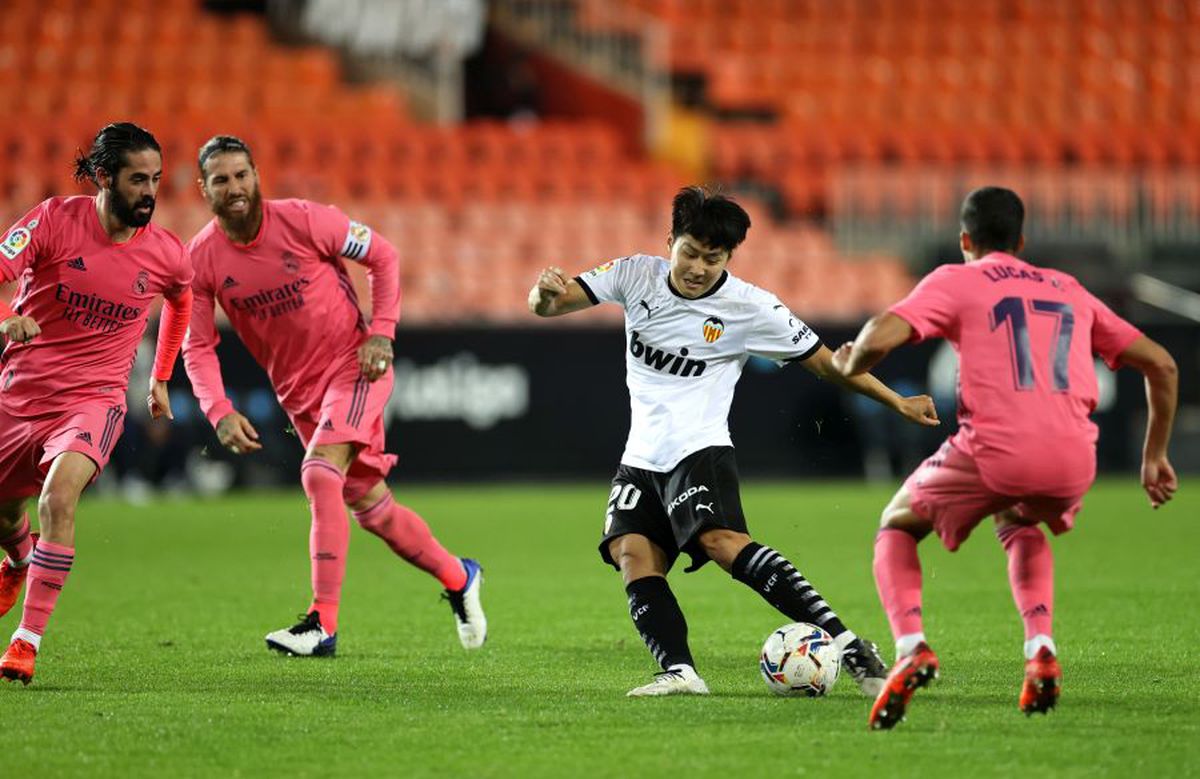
(241, 222)
(125, 211)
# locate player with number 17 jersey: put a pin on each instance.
(1026, 336)
(1025, 449)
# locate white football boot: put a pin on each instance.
(676, 680)
(467, 608)
(304, 639)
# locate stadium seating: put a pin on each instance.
(883, 83)
(476, 209)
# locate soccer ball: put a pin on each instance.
(800, 660)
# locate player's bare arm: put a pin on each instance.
(880, 335)
(21, 329)
(1162, 390)
(555, 294)
(237, 435)
(375, 357)
(918, 408)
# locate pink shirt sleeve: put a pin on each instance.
(932, 306)
(1111, 334)
(336, 235)
(200, 353)
(25, 240)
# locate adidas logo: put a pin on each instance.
(85, 436)
(1039, 610)
(76, 263)
(327, 425)
(230, 281)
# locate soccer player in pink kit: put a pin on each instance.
(276, 268)
(88, 270)
(1025, 449)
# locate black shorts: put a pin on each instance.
(672, 509)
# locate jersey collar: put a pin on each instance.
(711, 290)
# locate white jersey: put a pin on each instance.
(684, 356)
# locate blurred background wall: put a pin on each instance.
(489, 139)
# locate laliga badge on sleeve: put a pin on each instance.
(15, 243)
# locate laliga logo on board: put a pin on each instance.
(713, 327)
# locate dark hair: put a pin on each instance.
(994, 218)
(220, 144)
(709, 217)
(109, 148)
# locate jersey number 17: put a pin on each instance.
(1013, 310)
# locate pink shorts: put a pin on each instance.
(28, 445)
(948, 490)
(352, 412)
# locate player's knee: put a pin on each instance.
(317, 474)
(633, 556)
(722, 546)
(1012, 518)
(902, 517)
(57, 507)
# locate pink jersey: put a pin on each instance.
(1026, 337)
(90, 296)
(289, 298)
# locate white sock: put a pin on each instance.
(907, 644)
(844, 640)
(28, 635)
(1037, 642)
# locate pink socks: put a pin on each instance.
(328, 539)
(1031, 576)
(898, 579)
(47, 575)
(406, 533)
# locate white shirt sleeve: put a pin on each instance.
(780, 335)
(612, 281)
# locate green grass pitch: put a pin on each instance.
(155, 664)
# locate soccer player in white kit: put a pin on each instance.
(690, 327)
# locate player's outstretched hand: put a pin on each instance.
(919, 409)
(19, 328)
(1159, 480)
(237, 435)
(159, 401)
(375, 357)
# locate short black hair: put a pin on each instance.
(220, 144)
(710, 217)
(109, 148)
(994, 218)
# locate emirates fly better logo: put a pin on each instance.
(713, 327)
